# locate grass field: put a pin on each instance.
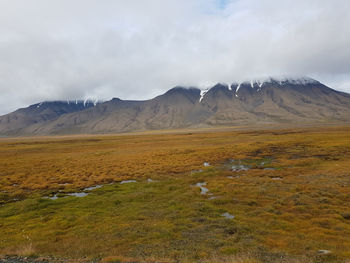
(288, 192)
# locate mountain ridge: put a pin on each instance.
(255, 102)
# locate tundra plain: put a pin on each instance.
(280, 195)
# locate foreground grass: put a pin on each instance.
(288, 212)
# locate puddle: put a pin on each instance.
(247, 164)
(52, 197)
(269, 169)
(213, 197)
(92, 187)
(83, 194)
(150, 180)
(65, 184)
(240, 167)
(128, 181)
(228, 215)
(204, 190)
(78, 194)
(237, 166)
(205, 164)
(55, 197)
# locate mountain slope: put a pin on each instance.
(279, 102)
(39, 113)
(164, 111)
(271, 101)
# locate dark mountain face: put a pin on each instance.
(287, 101)
(272, 101)
(43, 112)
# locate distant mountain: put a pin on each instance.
(14, 123)
(258, 102)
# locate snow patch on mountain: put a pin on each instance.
(258, 83)
(86, 102)
(203, 92)
(237, 88)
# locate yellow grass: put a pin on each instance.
(291, 210)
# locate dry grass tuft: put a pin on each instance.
(26, 250)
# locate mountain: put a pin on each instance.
(15, 122)
(271, 101)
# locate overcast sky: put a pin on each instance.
(137, 49)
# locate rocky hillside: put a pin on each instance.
(257, 102)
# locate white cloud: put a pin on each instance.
(136, 49)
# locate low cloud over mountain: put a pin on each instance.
(60, 49)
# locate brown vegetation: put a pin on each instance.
(293, 202)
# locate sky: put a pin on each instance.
(138, 49)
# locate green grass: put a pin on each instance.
(144, 219)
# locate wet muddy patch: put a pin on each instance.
(238, 166)
(83, 193)
(86, 191)
(242, 165)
